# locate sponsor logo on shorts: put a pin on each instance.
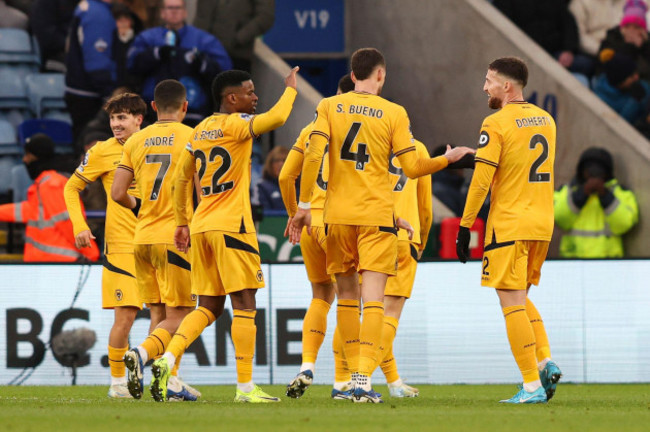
(193, 297)
(260, 276)
(118, 295)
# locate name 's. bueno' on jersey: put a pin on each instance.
(360, 109)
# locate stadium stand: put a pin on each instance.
(45, 92)
(59, 131)
(18, 48)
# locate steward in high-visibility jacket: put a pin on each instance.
(49, 236)
(595, 209)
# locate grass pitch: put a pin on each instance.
(439, 408)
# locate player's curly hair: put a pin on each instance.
(511, 67)
(129, 103)
(225, 79)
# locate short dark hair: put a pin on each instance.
(346, 84)
(511, 67)
(364, 61)
(129, 103)
(225, 79)
(169, 95)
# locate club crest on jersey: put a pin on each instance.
(483, 139)
(118, 295)
(101, 45)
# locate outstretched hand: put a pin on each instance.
(405, 225)
(457, 153)
(182, 238)
(291, 80)
(300, 220)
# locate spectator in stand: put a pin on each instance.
(124, 20)
(595, 209)
(631, 37)
(181, 52)
(236, 25)
(552, 26)
(620, 87)
(268, 190)
(90, 65)
(48, 235)
(12, 18)
(50, 22)
(594, 18)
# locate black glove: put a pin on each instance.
(136, 209)
(462, 244)
(166, 52)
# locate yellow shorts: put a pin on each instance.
(513, 265)
(362, 248)
(314, 253)
(407, 262)
(225, 262)
(119, 285)
(163, 275)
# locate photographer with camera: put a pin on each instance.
(594, 209)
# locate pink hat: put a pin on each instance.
(634, 12)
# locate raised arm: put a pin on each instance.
(279, 113)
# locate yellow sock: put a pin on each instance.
(314, 327)
(542, 345)
(522, 341)
(341, 371)
(243, 331)
(387, 359)
(192, 326)
(116, 361)
(347, 322)
(156, 343)
(177, 364)
(372, 327)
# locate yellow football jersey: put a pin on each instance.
(405, 193)
(519, 141)
(222, 144)
(294, 163)
(152, 154)
(362, 130)
(101, 161)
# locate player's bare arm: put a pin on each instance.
(121, 183)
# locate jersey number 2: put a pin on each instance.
(534, 176)
(165, 160)
(226, 162)
(360, 158)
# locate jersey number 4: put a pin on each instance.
(534, 176)
(226, 162)
(360, 158)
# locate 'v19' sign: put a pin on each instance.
(315, 26)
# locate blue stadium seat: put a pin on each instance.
(8, 142)
(59, 131)
(17, 47)
(13, 94)
(45, 92)
(7, 163)
(20, 182)
(58, 115)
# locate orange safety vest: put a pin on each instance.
(49, 236)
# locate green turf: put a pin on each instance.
(439, 408)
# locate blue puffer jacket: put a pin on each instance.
(196, 72)
(91, 70)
